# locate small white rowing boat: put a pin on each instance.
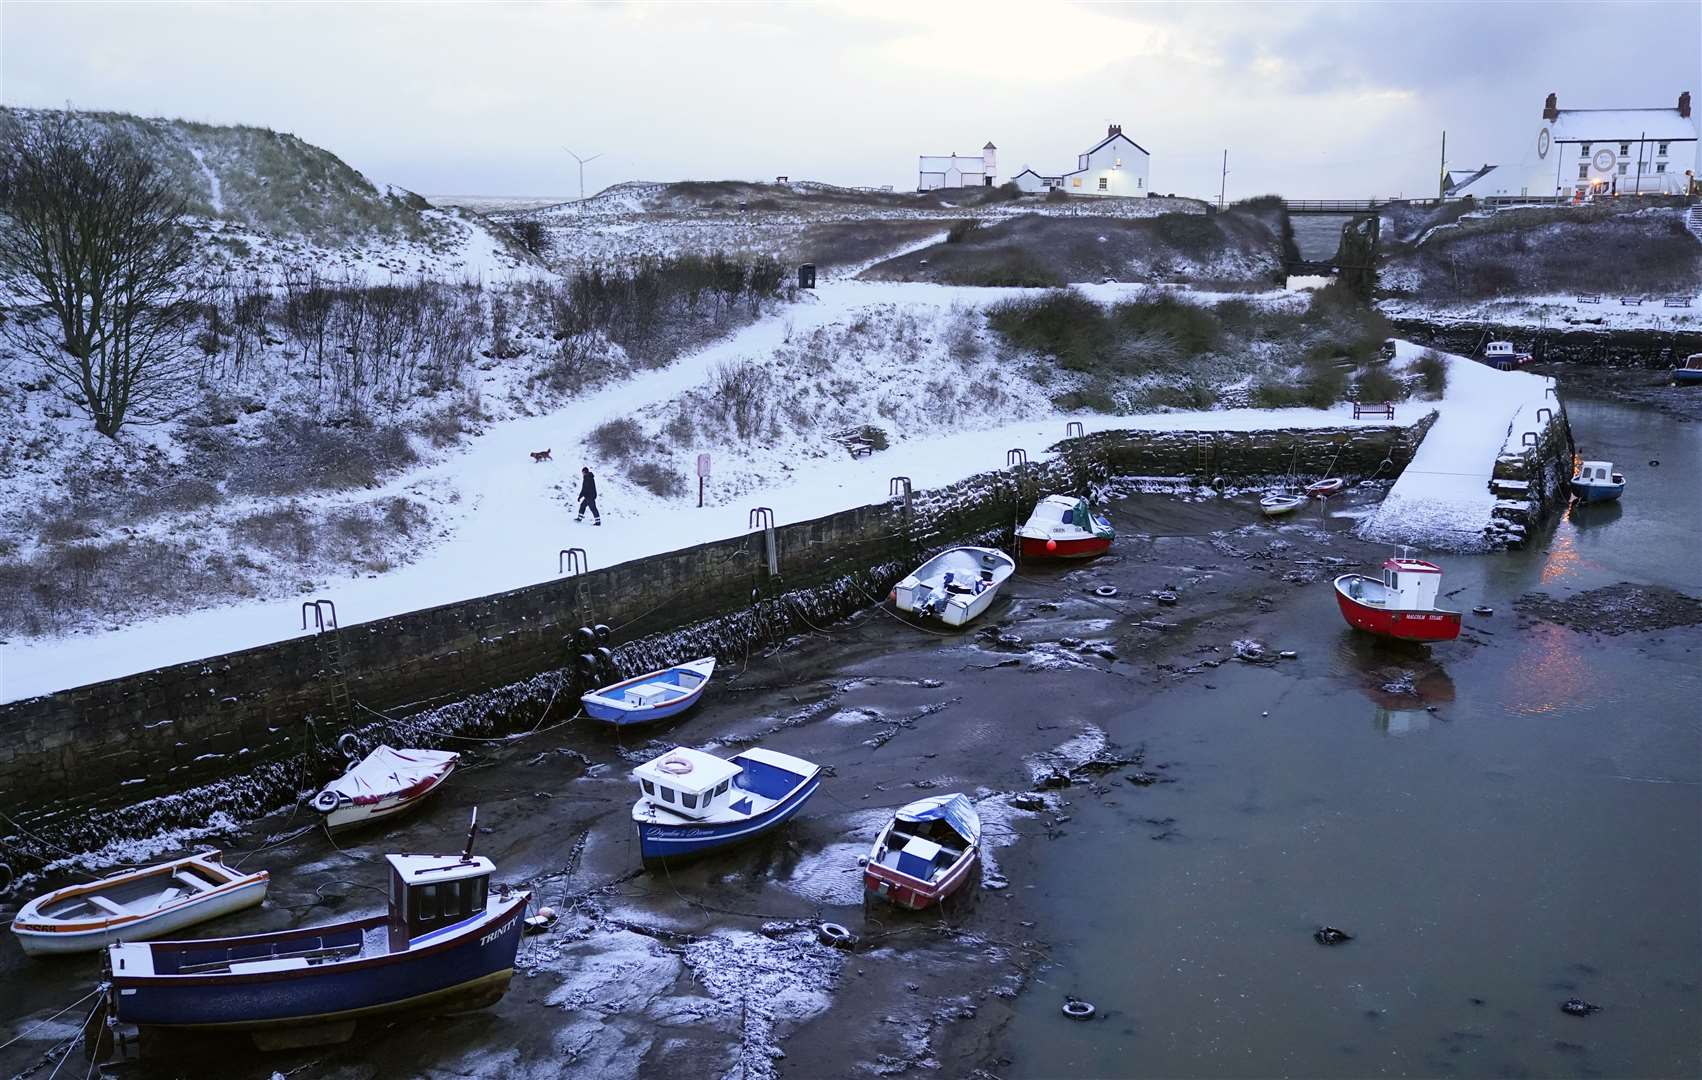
(1277, 505)
(136, 905)
(386, 783)
(956, 585)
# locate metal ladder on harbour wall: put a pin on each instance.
(330, 645)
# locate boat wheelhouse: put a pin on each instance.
(1689, 373)
(693, 803)
(1401, 605)
(1501, 354)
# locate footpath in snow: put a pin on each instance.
(1443, 501)
(508, 521)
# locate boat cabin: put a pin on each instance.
(1498, 348)
(429, 893)
(1412, 584)
(686, 782)
(1597, 472)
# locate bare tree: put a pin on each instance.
(93, 254)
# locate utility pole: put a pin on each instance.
(1642, 137)
(583, 161)
(1442, 181)
(1223, 180)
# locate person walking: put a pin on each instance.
(588, 497)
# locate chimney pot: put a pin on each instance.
(1551, 108)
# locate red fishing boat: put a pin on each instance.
(1401, 605)
(1065, 527)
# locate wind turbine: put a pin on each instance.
(583, 161)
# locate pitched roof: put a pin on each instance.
(942, 163)
(1619, 125)
(1112, 137)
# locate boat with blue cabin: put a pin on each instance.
(693, 803)
(1689, 373)
(655, 696)
(446, 944)
(1595, 481)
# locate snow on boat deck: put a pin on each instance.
(1442, 500)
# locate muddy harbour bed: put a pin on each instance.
(1172, 810)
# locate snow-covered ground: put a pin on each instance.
(505, 516)
(1442, 500)
(1557, 313)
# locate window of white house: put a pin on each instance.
(1584, 149)
(1660, 166)
(1624, 148)
(1075, 181)
(1104, 183)
(1623, 166)
(1140, 181)
(1661, 149)
(1583, 172)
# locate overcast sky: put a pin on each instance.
(1311, 100)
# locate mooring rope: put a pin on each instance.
(25, 1033)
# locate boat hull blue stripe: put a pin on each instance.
(667, 840)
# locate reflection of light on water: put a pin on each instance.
(1399, 722)
(1550, 674)
(1563, 558)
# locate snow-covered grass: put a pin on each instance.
(1557, 312)
(1442, 500)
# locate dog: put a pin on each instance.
(541, 455)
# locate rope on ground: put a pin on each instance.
(880, 606)
(72, 1045)
(24, 1034)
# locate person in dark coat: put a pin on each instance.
(588, 497)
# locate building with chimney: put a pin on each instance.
(1579, 152)
(954, 171)
(1115, 165)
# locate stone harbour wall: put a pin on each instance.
(1532, 472)
(245, 731)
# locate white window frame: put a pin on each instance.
(1104, 183)
(1583, 170)
(1660, 149)
(1584, 150)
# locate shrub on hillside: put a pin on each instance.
(961, 229)
(1432, 369)
(1062, 323)
(658, 481)
(618, 439)
(1378, 384)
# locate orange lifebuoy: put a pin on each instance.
(675, 766)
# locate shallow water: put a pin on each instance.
(1535, 837)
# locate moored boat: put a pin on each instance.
(1065, 527)
(1323, 489)
(136, 905)
(1401, 605)
(1595, 481)
(385, 783)
(956, 585)
(445, 944)
(1502, 355)
(1689, 373)
(1280, 503)
(925, 853)
(655, 696)
(693, 803)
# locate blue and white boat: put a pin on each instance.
(655, 696)
(1689, 373)
(693, 803)
(1597, 482)
(446, 944)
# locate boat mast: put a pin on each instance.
(472, 830)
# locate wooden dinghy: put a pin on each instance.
(1280, 504)
(385, 783)
(1323, 489)
(925, 853)
(655, 696)
(956, 585)
(136, 905)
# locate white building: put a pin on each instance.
(1115, 165)
(953, 171)
(1597, 152)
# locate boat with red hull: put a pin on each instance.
(1400, 605)
(1064, 527)
(926, 852)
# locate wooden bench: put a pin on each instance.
(1678, 301)
(1589, 299)
(859, 448)
(1385, 409)
(1631, 301)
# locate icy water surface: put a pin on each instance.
(1502, 823)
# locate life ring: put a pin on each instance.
(831, 933)
(1076, 1009)
(675, 766)
(326, 801)
(346, 744)
(1106, 591)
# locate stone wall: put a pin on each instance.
(1532, 472)
(247, 729)
(1595, 347)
